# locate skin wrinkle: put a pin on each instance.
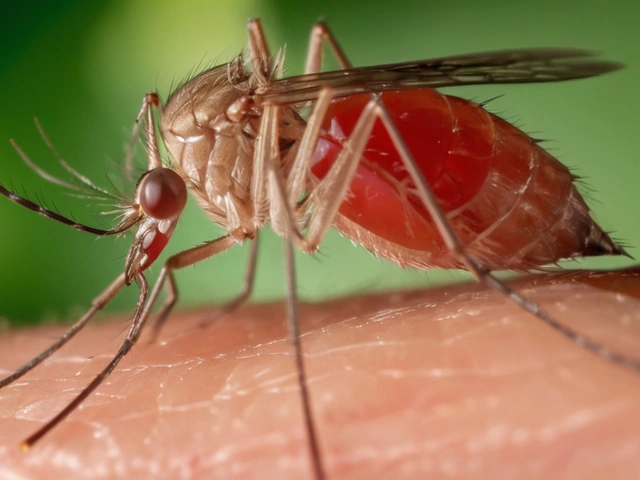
(401, 384)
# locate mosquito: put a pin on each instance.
(423, 179)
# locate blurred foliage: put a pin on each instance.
(83, 67)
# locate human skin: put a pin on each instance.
(453, 382)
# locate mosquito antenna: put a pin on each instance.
(86, 189)
(40, 171)
(84, 180)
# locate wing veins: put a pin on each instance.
(503, 67)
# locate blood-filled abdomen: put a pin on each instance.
(513, 205)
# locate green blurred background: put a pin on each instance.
(83, 67)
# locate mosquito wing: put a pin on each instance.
(508, 66)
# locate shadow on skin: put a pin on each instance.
(452, 382)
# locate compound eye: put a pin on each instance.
(162, 193)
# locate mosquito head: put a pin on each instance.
(160, 197)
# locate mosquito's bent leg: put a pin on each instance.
(165, 309)
(188, 258)
(182, 260)
(98, 304)
(483, 275)
(319, 34)
(285, 222)
(297, 179)
(194, 255)
(329, 194)
(268, 172)
(263, 156)
(172, 289)
(247, 286)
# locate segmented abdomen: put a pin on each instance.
(513, 204)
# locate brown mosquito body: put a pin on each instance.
(237, 141)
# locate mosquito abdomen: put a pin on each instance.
(513, 204)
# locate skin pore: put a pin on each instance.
(451, 382)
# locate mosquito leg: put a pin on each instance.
(247, 286)
(180, 260)
(98, 304)
(153, 153)
(278, 196)
(284, 222)
(297, 179)
(328, 195)
(134, 332)
(283, 214)
(196, 254)
(172, 295)
(165, 309)
(330, 192)
(294, 337)
(262, 156)
(477, 270)
(320, 33)
(269, 172)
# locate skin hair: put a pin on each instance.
(450, 382)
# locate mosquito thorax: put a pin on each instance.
(207, 129)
